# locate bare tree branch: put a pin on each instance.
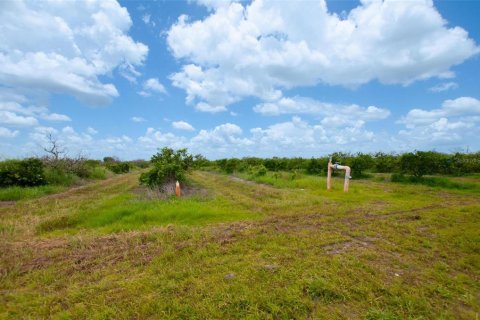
(53, 148)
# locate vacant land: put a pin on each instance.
(282, 249)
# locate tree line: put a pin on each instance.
(417, 163)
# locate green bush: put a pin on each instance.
(168, 167)
(142, 164)
(385, 162)
(119, 167)
(360, 163)
(258, 171)
(24, 173)
(440, 182)
(58, 176)
(98, 173)
(419, 163)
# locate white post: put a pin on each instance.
(337, 166)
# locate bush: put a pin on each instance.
(142, 164)
(23, 173)
(317, 166)
(258, 171)
(59, 177)
(98, 173)
(419, 163)
(168, 167)
(360, 163)
(385, 162)
(119, 167)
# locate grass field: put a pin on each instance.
(279, 247)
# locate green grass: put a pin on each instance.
(439, 182)
(280, 249)
(125, 212)
(20, 193)
(98, 173)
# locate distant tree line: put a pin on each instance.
(58, 168)
(417, 163)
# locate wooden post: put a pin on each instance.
(347, 179)
(329, 175)
(178, 191)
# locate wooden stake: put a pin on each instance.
(178, 191)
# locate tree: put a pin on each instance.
(360, 163)
(419, 163)
(169, 166)
(54, 148)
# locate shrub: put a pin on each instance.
(258, 171)
(419, 163)
(98, 173)
(119, 167)
(24, 173)
(360, 163)
(59, 177)
(317, 166)
(385, 162)
(168, 167)
(142, 164)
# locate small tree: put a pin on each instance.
(168, 167)
(54, 149)
(360, 163)
(419, 163)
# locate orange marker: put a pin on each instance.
(178, 192)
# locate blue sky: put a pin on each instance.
(221, 78)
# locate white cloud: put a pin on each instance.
(138, 119)
(16, 114)
(214, 4)
(152, 85)
(56, 117)
(74, 142)
(91, 131)
(146, 18)
(182, 125)
(70, 45)
(444, 86)
(456, 121)
(225, 140)
(10, 118)
(154, 139)
(7, 133)
(205, 107)
(260, 48)
(333, 114)
(301, 138)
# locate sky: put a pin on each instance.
(234, 79)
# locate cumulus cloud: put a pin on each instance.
(70, 45)
(10, 118)
(332, 114)
(7, 133)
(154, 139)
(84, 143)
(263, 47)
(454, 122)
(444, 86)
(150, 86)
(138, 119)
(302, 138)
(91, 131)
(14, 114)
(182, 125)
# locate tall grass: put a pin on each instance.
(20, 193)
(125, 212)
(439, 182)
